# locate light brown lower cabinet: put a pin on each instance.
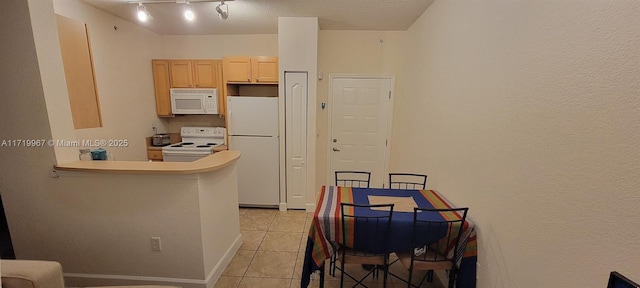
(154, 155)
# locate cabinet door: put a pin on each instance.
(205, 73)
(265, 69)
(155, 155)
(181, 74)
(222, 92)
(237, 69)
(161, 83)
(78, 70)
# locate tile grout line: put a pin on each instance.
(255, 252)
(261, 242)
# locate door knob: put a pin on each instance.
(336, 149)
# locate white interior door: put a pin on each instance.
(360, 126)
(296, 92)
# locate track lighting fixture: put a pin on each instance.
(143, 15)
(188, 12)
(223, 10)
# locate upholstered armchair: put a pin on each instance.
(39, 274)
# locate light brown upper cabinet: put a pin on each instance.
(79, 74)
(168, 73)
(264, 69)
(194, 73)
(162, 84)
(257, 70)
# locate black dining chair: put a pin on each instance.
(407, 181)
(359, 179)
(369, 234)
(430, 254)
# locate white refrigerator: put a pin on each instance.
(253, 130)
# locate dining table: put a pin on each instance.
(326, 230)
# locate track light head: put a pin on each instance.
(188, 12)
(223, 10)
(143, 15)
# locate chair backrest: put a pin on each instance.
(407, 181)
(366, 228)
(438, 231)
(353, 179)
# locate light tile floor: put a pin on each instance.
(272, 253)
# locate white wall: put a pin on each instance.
(24, 170)
(527, 112)
(218, 46)
(45, 37)
(354, 52)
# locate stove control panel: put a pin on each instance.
(202, 131)
(213, 133)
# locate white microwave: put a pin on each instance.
(194, 101)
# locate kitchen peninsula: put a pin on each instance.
(171, 223)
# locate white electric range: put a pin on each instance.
(197, 142)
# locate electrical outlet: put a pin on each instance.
(156, 245)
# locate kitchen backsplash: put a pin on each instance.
(174, 124)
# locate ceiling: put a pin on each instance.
(261, 16)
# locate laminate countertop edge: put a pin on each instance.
(207, 164)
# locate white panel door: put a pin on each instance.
(296, 91)
(360, 126)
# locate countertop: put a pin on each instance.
(210, 163)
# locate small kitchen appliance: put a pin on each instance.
(197, 142)
(194, 101)
(161, 139)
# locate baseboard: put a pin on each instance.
(86, 280)
(217, 270)
(311, 207)
(283, 207)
